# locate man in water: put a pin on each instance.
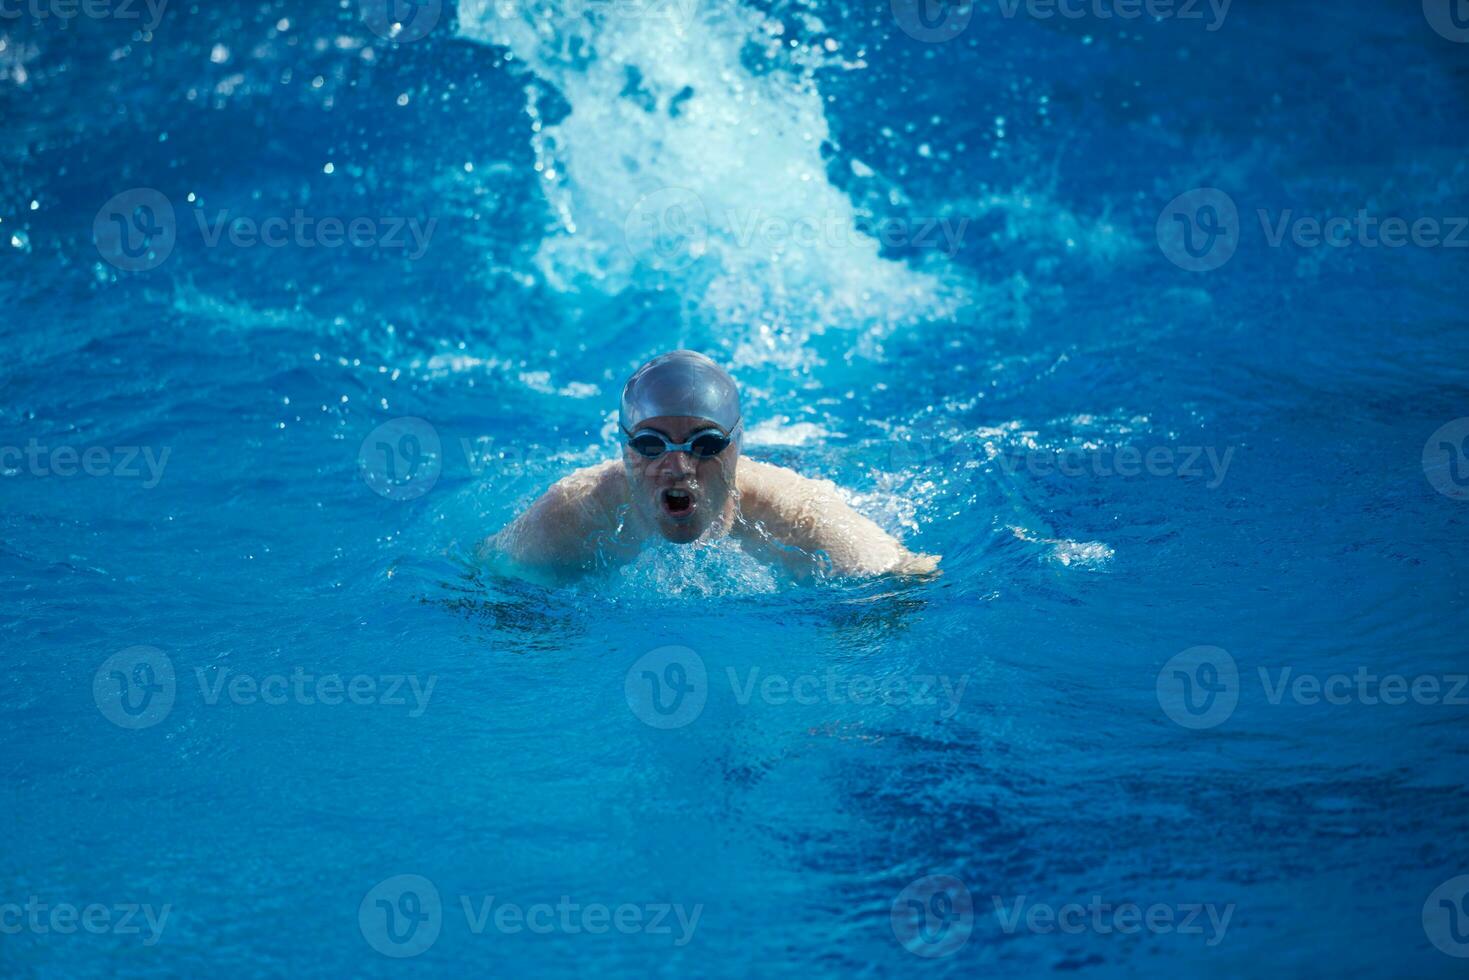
(681, 478)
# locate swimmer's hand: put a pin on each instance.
(919, 565)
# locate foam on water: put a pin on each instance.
(692, 160)
(681, 573)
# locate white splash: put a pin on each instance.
(679, 573)
(1090, 555)
(681, 168)
(778, 432)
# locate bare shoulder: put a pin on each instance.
(559, 526)
(812, 515)
(800, 506)
(583, 499)
(767, 488)
(596, 485)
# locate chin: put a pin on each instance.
(681, 533)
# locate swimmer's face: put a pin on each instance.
(679, 493)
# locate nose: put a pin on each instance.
(677, 463)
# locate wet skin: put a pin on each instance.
(604, 515)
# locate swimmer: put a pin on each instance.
(681, 478)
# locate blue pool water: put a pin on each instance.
(1004, 278)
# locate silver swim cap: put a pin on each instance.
(682, 382)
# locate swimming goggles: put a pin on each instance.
(704, 444)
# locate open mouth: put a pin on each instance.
(677, 503)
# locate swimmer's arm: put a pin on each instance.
(555, 537)
(807, 526)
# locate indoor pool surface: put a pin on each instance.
(1153, 326)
